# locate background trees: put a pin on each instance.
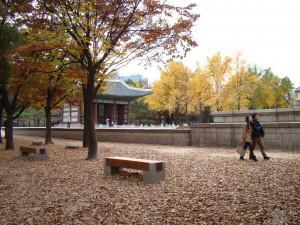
(54, 78)
(171, 93)
(109, 34)
(240, 86)
(272, 91)
(224, 83)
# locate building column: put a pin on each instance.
(115, 112)
(128, 111)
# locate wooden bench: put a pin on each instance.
(153, 170)
(40, 154)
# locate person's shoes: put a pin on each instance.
(253, 158)
(241, 158)
(267, 158)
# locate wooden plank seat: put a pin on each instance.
(153, 170)
(38, 154)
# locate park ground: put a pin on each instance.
(202, 186)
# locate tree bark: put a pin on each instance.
(1, 114)
(48, 134)
(85, 140)
(89, 117)
(9, 144)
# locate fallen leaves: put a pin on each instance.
(202, 186)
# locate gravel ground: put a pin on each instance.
(202, 186)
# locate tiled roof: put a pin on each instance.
(117, 89)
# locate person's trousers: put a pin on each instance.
(248, 144)
(261, 145)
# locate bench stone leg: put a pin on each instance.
(152, 175)
(23, 154)
(110, 170)
(41, 155)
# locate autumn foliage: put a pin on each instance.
(224, 83)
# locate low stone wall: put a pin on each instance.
(265, 115)
(278, 135)
(180, 137)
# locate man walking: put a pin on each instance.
(257, 135)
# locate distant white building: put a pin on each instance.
(297, 97)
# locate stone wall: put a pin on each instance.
(265, 115)
(278, 135)
(180, 137)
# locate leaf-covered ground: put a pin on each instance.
(202, 186)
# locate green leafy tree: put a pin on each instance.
(139, 108)
(272, 91)
(13, 69)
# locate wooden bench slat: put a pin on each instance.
(133, 163)
(153, 170)
(138, 165)
(135, 159)
(27, 149)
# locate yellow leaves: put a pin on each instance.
(217, 72)
(225, 83)
(201, 90)
(171, 93)
(240, 87)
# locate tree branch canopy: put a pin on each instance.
(108, 31)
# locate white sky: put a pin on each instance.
(267, 32)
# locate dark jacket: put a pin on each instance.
(257, 129)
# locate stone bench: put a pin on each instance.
(153, 170)
(40, 154)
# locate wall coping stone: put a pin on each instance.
(233, 125)
(135, 130)
(259, 111)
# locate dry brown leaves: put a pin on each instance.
(202, 186)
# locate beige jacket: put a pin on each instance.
(247, 134)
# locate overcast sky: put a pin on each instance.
(267, 32)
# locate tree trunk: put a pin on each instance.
(48, 134)
(9, 131)
(5, 128)
(89, 117)
(1, 114)
(85, 143)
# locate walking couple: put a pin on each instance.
(253, 134)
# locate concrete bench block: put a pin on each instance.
(37, 154)
(153, 171)
(42, 154)
(154, 174)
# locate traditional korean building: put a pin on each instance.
(113, 102)
(111, 105)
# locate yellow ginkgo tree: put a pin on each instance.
(240, 87)
(217, 72)
(171, 93)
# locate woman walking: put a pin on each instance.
(247, 140)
